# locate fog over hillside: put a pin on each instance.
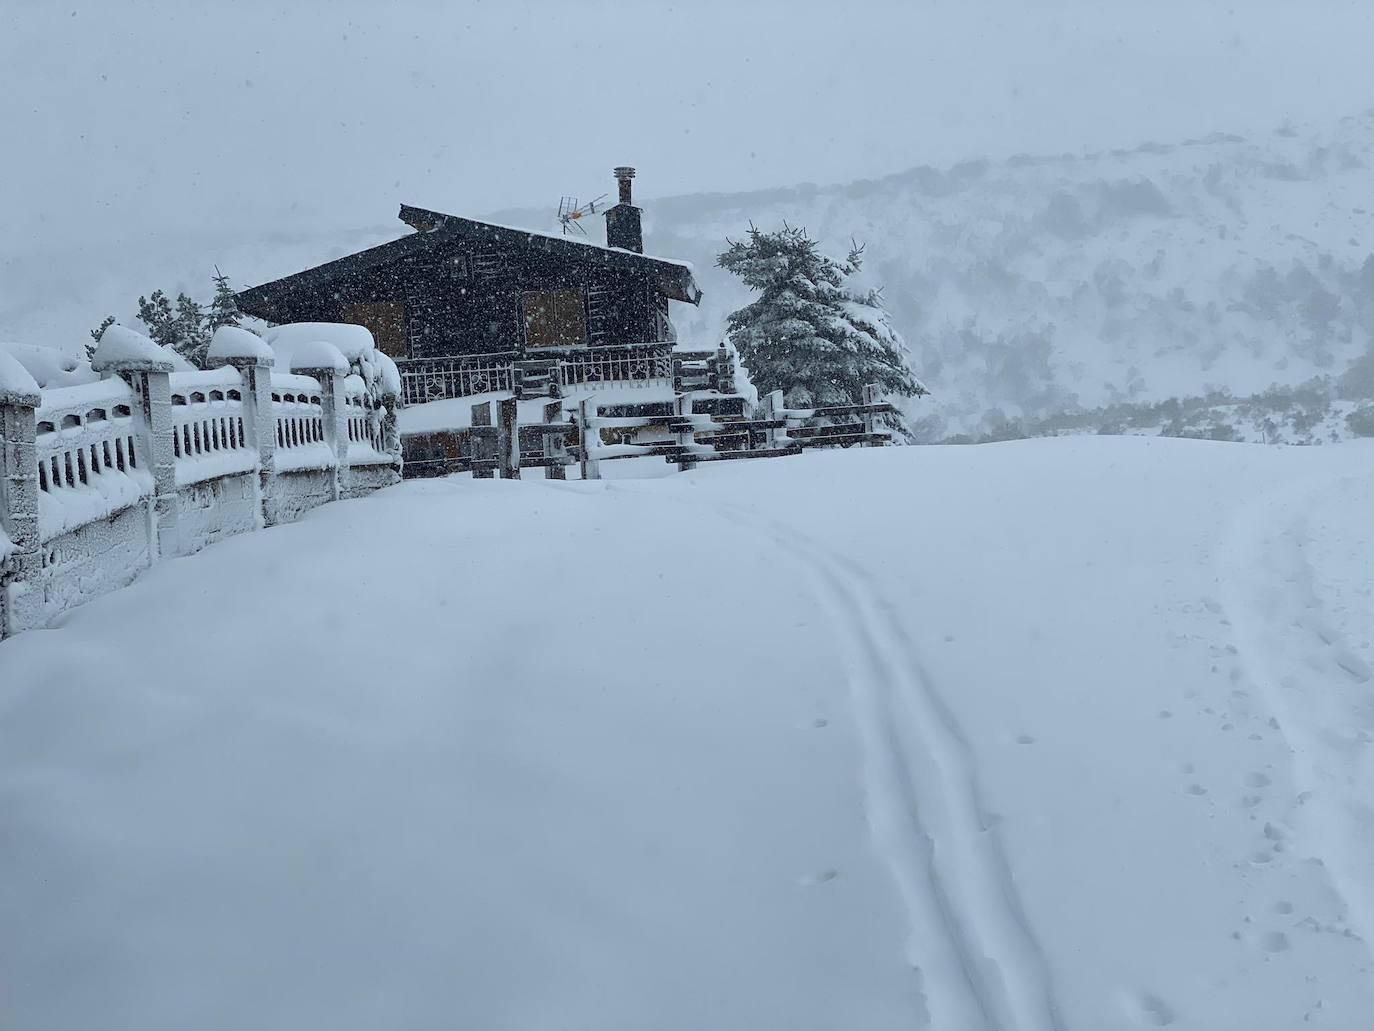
(1026, 288)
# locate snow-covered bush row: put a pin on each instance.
(99, 479)
(1321, 411)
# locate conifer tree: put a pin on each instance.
(180, 326)
(97, 333)
(810, 334)
(224, 306)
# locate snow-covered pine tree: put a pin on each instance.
(810, 334)
(224, 307)
(180, 327)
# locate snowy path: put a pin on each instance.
(1049, 736)
(980, 963)
(1293, 646)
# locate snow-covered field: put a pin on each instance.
(1054, 734)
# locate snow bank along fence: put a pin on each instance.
(684, 431)
(550, 373)
(98, 481)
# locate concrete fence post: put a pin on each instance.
(259, 421)
(391, 432)
(21, 593)
(334, 413)
(150, 379)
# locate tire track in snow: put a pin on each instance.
(968, 934)
(1313, 682)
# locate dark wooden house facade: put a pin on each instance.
(459, 295)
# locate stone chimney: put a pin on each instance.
(623, 225)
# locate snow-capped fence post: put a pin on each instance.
(259, 421)
(150, 377)
(555, 446)
(590, 437)
(508, 440)
(481, 442)
(334, 416)
(686, 437)
(677, 375)
(21, 598)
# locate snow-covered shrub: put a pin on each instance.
(1361, 421)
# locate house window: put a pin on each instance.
(555, 318)
(457, 267)
(387, 322)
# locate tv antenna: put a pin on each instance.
(571, 213)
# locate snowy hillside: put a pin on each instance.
(1034, 284)
(1025, 287)
(1058, 734)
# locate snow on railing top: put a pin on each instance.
(89, 461)
(233, 342)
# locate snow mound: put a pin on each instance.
(235, 342)
(48, 366)
(15, 379)
(122, 345)
(317, 354)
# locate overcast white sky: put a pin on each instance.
(128, 121)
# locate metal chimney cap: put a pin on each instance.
(624, 172)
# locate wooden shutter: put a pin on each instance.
(555, 318)
(387, 322)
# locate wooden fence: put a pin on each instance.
(685, 432)
(551, 373)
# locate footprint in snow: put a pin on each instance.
(824, 877)
(1256, 780)
(1150, 1010)
(1196, 789)
(1024, 739)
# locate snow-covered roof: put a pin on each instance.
(674, 279)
